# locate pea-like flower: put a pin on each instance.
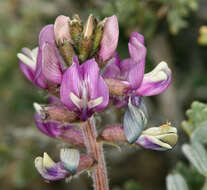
(61, 41)
(131, 71)
(28, 66)
(83, 90)
(54, 127)
(158, 138)
(71, 163)
(75, 62)
(43, 66)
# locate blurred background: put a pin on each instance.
(173, 32)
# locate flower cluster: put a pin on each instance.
(77, 64)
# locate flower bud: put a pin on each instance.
(67, 51)
(55, 113)
(114, 133)
(73, 137)
(97, 36)
(63, 38)
(76, 29)
(109, 39)
(88, 27)
(85, 43)
(158, 138)
(61, 30)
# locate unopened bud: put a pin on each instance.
(89, 27)
(55, 113)
(86, 162)
(73, 137)
(109, 39)
(113, 133)
(67, 51)
(61, 30)
(97, 36)
(85, 43)
(76, 29)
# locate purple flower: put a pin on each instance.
(158, 138)
(52, 129)
(109, 39)
(27, 62)
(43, 65)
(83, 90)
(71, 162)
(49, 170)
(49, 61)
(132, 70)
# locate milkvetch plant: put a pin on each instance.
(78, 66)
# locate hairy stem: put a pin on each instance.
(95, 149)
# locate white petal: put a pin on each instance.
(47, 161)
(76, 100)
(35, 53)
(94, 103)
(159, 73)
(38, 108)
(39, 165)
(26, 60)
(70, 159)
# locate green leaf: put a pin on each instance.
(197, 113)
(175, 21)
(196, 117)
(197, 155)
(176, 182)
(200, 134)
(193, 179)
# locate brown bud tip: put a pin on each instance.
(117, 87)
(89, 27)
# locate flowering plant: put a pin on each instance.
(79, 68)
